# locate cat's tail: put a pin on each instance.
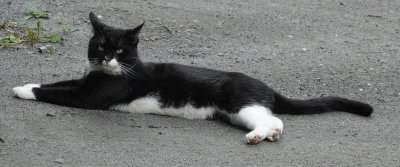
(285, 105)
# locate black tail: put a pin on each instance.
(285, 105)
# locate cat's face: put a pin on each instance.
(112, 50)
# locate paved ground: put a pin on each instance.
(303, 49)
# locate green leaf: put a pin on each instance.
(3, 25)
(170, 26)
(32, 35)
(59, 21)
(68, 29)
(51, 49)
(9, 40)
(36, 13)
(55, 38)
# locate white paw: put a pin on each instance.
(25, 92)
(32, 85)
(253, 138)
(276, 135)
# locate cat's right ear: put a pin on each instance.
(98, 26)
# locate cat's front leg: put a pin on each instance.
(25, 92)
(67, 83)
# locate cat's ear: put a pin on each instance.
(98, 26)
(133, 34)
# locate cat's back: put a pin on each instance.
(167, 71)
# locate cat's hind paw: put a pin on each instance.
(253, 138)
(276, 133)
(25, 92)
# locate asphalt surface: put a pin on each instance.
(303, 49)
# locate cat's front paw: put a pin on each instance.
(25, 92)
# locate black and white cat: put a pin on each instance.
(116, 79)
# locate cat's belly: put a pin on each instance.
(150, 104)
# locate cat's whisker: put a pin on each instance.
(128, 73)
(128, 65)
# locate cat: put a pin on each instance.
(115, 78)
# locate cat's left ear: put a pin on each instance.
(98, 26)
(133, 34)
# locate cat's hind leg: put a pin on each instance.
(260, 121)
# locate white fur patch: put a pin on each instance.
(260, 120)
(25, 92)
(111, 67)
(150, 104)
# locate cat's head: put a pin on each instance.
(112, 50)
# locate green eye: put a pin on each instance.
(119, 51)
(101, 48)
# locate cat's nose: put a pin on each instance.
(107, 59)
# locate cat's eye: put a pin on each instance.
(119, 51)
(101, 48)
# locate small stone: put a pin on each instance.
(42, 49)
(196, 21)
(60, 161)
(220, 54)
(369, 84)
(51, 114)
(304, 49)
(100, 16)
(361, 89)
(1, 140)
(151, 126)
(290, 36)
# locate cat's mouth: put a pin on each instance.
(109, 67)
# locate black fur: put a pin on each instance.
(175, 84)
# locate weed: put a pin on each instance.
(10, 39)
(33, 36)
(68, 29)
(51, 49)
(170, 26)
(36, 13)
(3, 25)
(54, 38)
(59, 21)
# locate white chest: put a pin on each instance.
(150, 104)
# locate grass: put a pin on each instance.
(3, 25)
(10, 39)
(36, 13)
(54, 38)
(20, 33)
(170, 26)
(68, 29)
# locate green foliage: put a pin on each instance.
(170, 26)
(59, 21)
(51, 49)
(3, 25)
(23, 32)
(54, 38)
(36, 13)
(10, 39)
(39, 26)
(68, 29)
(33, 36)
